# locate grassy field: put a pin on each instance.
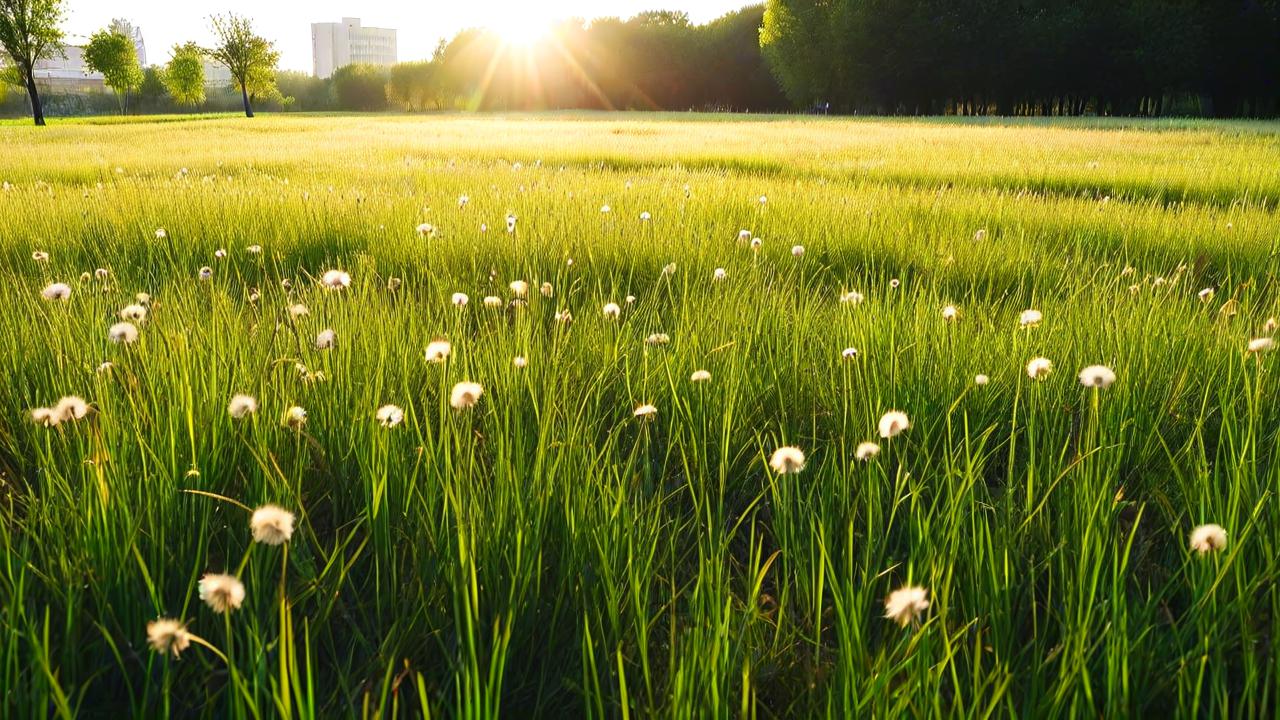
(556, 549)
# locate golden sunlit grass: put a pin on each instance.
(646, 415)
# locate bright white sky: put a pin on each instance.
(420, 24)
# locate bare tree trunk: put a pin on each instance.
(37, 110)
(244, 94)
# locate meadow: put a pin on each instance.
(679, 486)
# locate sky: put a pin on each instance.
(420, 24)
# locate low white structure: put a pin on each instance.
(334, 45)
(68, 73)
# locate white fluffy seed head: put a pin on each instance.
(271, 525)
(133, 313)
(389, 416)
(612, 310)
(295, 417)
(1208, 538)
(465, 395)
(547, 289)
(438, 350)
(1262, 344)
(298, 310)
(657, 339)
(206, 272)
(1030, 318)
(222, 593)
(459, 299)
(123, 333)
(950, 312)
(326, 339)
(1039, 368)
(906, 604)
(242, 406)
(519, 288)
(787, 460)
(520, 362)
(892, 423)
(866, 451)
(720, 274)
(1205, 295)
(56, 291)
(335, 280)
(1097, 376)
(849, 353)
(851, 297)
(981, 380)
(492, 302)
(646, 412)
(700, 376)
(167, 636)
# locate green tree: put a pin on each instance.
(184, 75)
(112, 53)
(251, 58)
(410, 85)
(29, 33)
(360, 87)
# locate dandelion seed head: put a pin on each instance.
(906, 604)
(700, 376)
(1097, 376)
(335, 280)
(122, 333)
(981, 380)
(459, 300)
(547, 289)
(892, 423)
(56, 291)
(1039, 368)
(520, 362)
(271, 525)
(389, 416)
(950, 312)
(611, 310)
(167, 636)
(519, 288)
(1209, 538)
(326, 339)
(1205, 295)
(720, 274)
(849, 353)
(222, 593)
(866, 451)
(295, 417)
(797, 251)
(254, 249)
(241, 406)
(1262, 344)
(787, 460)
(40, 256)
(492, 301)
(426, 229)
(645, 412)
(657, 339)
(206, 272)
(438, 350)
(1030, 318)
(133, 313)
(852, 297)
(465, 395)
(220, 253)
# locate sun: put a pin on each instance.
(521, 29)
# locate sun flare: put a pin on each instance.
(521, 29)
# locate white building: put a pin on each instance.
(216, 75)
(334, 45)
(67, 73)
(134, 33)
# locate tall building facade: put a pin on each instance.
(334, 45)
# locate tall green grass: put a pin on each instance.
(546, 553)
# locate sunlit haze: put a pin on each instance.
(419, 26)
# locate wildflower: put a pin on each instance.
(85, 277)
(206, 272)
(605, 209)
(1261, 344)
(459, 300)
(631, 299)
(894, 283)
(645, 216)
(611, 310)
(669, 269)
(849, 353)
(101, 273)
(222, 593)
(519, 362)
(134, 313)
(906, 604)
(981, 380)
(254, 249)
(1098, 376)
(271, 525)
(852, 297)
(511, 223)
(797, 251)
(699, 376)
(122, 332)
(892, 423)
(492, 301)
(950, 312)
(326, 339)
(1205, 295)
(241, 406)
(465, 395)
(285, 283)
(161, 233)
(295, 417)
(142, 298)
(744, 236)
(335, 280)
(1270, 325)
(1208, 538)
(67, 409)
(564, 317)
(657, 339)
(40, 256)
(168, 636)
(519, 288)
(756, 244)
(1133, 289)
(980, 235)
(44, 416)
(547, 289)
(1030, 318)
(720, 274)
(426, 230)
(646, 412)
(1039, 368)
(389, 416)
(298, 310)
(763, 199)
(105, 367)
(1127, 271)
(56, 291)
(438, 350)
(787, 460)
(463, 200)
(866, 451)
(393, 284)
(220, 253)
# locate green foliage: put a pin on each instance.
(112, 53)
(360, 87)
(547, 554)
(29, 32)
(413, 86)
(184, 75)
(251, 58)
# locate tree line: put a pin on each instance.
(964, 57)
(1028, 57)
